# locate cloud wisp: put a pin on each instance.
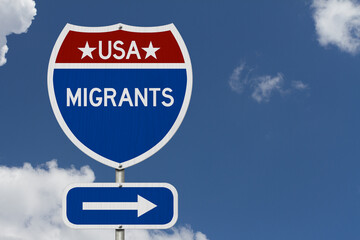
(31, 203)
(337, 23)
(15, 17)
(235, 83)
(263, 86)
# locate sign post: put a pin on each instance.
(119, 178)
(120, 93)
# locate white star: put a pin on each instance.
(86, 51)
(150, 51)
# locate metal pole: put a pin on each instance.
(120, 175)
(119, 178)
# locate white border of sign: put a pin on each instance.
(116, 185)
(115, 27)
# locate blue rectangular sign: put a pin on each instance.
(131, 205)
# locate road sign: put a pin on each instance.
(120, 92)
(132, 206)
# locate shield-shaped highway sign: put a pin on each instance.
(120, 92)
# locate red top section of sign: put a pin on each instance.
(124, 47)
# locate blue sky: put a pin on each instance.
(284, 167)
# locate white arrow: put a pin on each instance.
(142, 206)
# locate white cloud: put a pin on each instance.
(235, 83)
(30, 207)
(299, 85)
(15, 17)
(183, 233)
(263, 86)
(337, 23)
(3, 50)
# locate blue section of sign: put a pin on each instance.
(162, 214)
(119, 133)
